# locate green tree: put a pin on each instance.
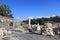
(5, 10)
(44, 20)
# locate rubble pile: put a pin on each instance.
(48, 30)
(4, 32)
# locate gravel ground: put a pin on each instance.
(30, 36)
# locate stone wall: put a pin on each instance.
(8, 22)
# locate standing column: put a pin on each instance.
(29, 23)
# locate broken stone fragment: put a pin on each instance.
(1, 33)
(48, 30)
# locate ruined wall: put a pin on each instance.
(10, 23)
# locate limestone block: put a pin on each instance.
(34, 27)
(21, 29)
(9, 32)
(48, 29)
(38, 27)
(58, 32)
(1, 33)
(5, 32)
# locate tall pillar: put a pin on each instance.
(29, 23)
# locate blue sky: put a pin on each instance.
(22, 9)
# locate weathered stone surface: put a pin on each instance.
(38, 27)
(6, 22)
(21, 30)
(30, 36)
(48, 29)
(1, 33)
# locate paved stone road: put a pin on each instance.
(28, 36)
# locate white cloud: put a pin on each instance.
(18, 18)
(31, 17)
(39, 16)
(42, 16)
(21, 18)
(53, 15)
(47, 16)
